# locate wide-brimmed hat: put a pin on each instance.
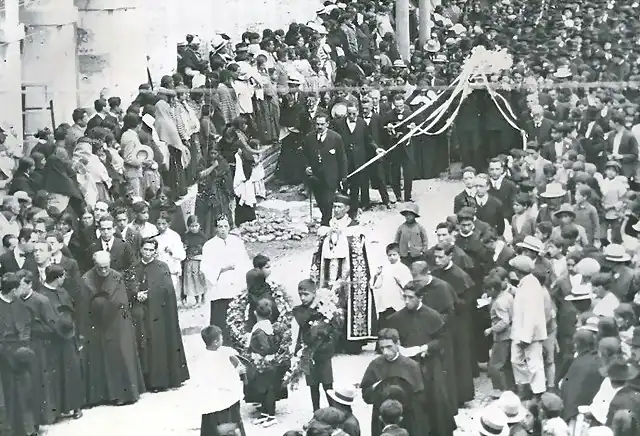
(432, 46)
(566, 209)
(616, 253)
(591, 324)
(492, 422)
(587, 267)
(553, 190)
(580, 292)
(512, 407)
(531, 243)
(562, 73)
(217, 43)
(399, 63)
(393, 388)
(66, 326)
(619, 370)
(343, 395)
(410, 208)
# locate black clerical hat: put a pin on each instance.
(393, 388)
(103, 312)
(22, 360)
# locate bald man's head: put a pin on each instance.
(102, 262)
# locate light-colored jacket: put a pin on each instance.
(501, 313)
(529, 323)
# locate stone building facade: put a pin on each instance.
(69, 52)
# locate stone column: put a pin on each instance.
(49, 59)
(11, 33)
(111, 50)
(424, 18)
(402, 28)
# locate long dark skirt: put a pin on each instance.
(43, 381)
(210, 422)
(267, 119)
(176, 177)
(244, 213)
(291, 163)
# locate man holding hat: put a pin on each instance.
(528, 328)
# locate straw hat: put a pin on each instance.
(578, 293)
(616, 253)
(343, 395)
(562, 73)
(432, 46)
(531, 243)
(492, 422)
(512, 407)
(553, 190)
(619, 370)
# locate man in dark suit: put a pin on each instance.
(326, 164)
(467, 197)
(488, 208)
(100, 105)
(375, 172)
(72, 278)
(538, 128)
(20, 257)
(356, 137)
(121, 253)
(622, 146)
(501, 187)
(402, 156)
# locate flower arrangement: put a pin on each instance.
(237, 317)
(322, 331)
(487, 62)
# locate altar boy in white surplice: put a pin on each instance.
(341, 255)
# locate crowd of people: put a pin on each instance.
(533, 278)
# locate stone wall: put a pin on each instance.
(233, 17)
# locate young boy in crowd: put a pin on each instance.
(388, 283)
(221, 390)
(263, 347)
(501, 315)
(391, 412)
(321, 372)
(587, 215)
(411, 236)
(555, 252)
(262, 263)
(566, 218)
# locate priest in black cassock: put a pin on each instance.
(461, 323)
(393, 371)
(420, 329)
(111, 364)
(68, 392)
(440, 296)
(155, 309)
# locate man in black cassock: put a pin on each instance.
(155, 308)
(392, 368)
(15, 334)
(440, 296)
(461, 324)
(111, 365)
(68, 391)
(420, 329)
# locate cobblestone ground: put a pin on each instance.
(169, 413)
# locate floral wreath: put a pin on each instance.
(237, 316)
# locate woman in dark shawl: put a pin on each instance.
(215, 188)
(164, 201)
(179, 155)
(258, 289)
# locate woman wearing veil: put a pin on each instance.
(179, 155)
